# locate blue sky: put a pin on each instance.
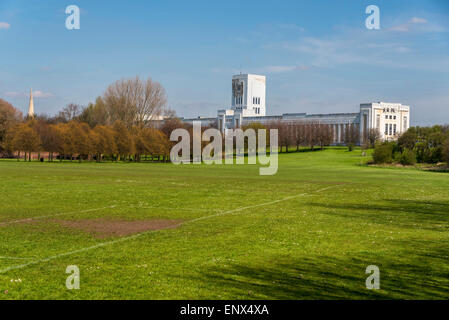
(317, 55)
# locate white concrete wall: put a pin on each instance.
(386, 117)
(254, 92)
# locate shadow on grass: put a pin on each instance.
(429, 215)
(326, 278)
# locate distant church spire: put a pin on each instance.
(31, 105)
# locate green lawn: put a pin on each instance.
(308, 232)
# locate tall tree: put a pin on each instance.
(104, 142)
(26, 139)
(70, 112)
(134, 101)
(123, 140)
(95, 113)
(50, 136)
(9, 117)
(352, 136)
(446, 151)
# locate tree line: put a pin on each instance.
(296, 134)
(416, 145)
(77, 140)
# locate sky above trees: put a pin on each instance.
(318, 56)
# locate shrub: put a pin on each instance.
(383, 152)
(446, 151)
(407, 157)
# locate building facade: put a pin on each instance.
(248, 105)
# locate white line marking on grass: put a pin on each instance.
(107, 243)
(52, 215)
(172, 208)
(16, 258)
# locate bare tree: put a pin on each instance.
(324, 135)
(134, 101)
(352, 136)
(69, 112)
(373, 136)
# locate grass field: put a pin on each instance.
(308, 232)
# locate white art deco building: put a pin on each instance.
(248, 105)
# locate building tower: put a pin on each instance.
(31, 105)
(248, 95)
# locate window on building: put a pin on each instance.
(386, 129)
(391, 117)
(386, 117)
(391, 129)
(394, 117)
(394, 129)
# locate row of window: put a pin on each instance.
(388, 110)
(390, 117)
(239, 100)
(390, 129)
(257, 110)
(256, 100)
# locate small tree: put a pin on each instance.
(383, 152)
(373, 136)
(352, 136)
(407, 157)
(26, 139)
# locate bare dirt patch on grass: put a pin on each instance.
(104, 228)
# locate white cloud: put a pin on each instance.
(360, 47)
(418, 20)
(36, 94)
(13, 94)
(292, 26)
(4, 25)
(41, 94)
(279, 69)
(405, 27)
(401, 28)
